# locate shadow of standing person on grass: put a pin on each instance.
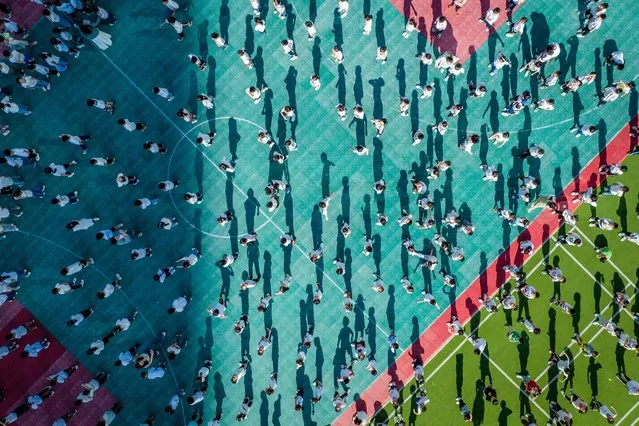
(459, 373)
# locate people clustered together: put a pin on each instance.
(78, 20)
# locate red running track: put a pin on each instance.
(20, 377)
(464, 33)
(433, 339)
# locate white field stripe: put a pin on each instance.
(523, 392)
(625, 277)
(592, 339)
(454, 352)
(590, 324)
(604, 288)
(628, 413)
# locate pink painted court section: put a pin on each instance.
(436, 336)
(20, 377)
(464, 33)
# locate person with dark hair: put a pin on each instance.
(110, 414)
(106, 106)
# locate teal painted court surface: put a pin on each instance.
(146, 54)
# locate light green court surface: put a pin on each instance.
(145, 54)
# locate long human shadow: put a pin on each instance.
(502, 419)
(346, 200)
(218, 392)
(317, 227)
(459, 373)
(416, 348)
(360, 323)
(319, 359)
(358, 86)
(348, 270)
(252, 209)
(602, 133)
(343, 348)
(267, 276)
(258, 64)
(366, 215)
(379, 28)
(277, 411)
(312, 10)
(390, 307)
(224, 20)
(291, 83)
(317, 55)
(264, 412)
(290, 21)
(478, 409)
(337, 28)
(341, 84)
(593, 376)
(378, 105)
(400, 75)
(552, 332)
(371, 331)
(267, 111)
(249, 35)
(539, 32)
(378, 172)
(326, 174)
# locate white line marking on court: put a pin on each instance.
(126, 296)
(174, 150)
(624, 276)
(204, 155)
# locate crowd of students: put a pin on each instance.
(76, 21)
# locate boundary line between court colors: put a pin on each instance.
(436, 336)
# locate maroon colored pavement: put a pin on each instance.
(21, 377)
(25, 12)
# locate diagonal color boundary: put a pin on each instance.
(436, 336)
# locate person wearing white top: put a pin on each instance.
(492, 15)
(163, 93)
(310, 29)
(131, 125)
(617, 189)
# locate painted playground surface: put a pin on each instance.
(146, 54)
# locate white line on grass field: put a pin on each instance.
(628, 413)
(454, 352)
(592, 339)
(608, 306)
(204, 155)
(603, 287)
(625, 277)
(522, 391)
